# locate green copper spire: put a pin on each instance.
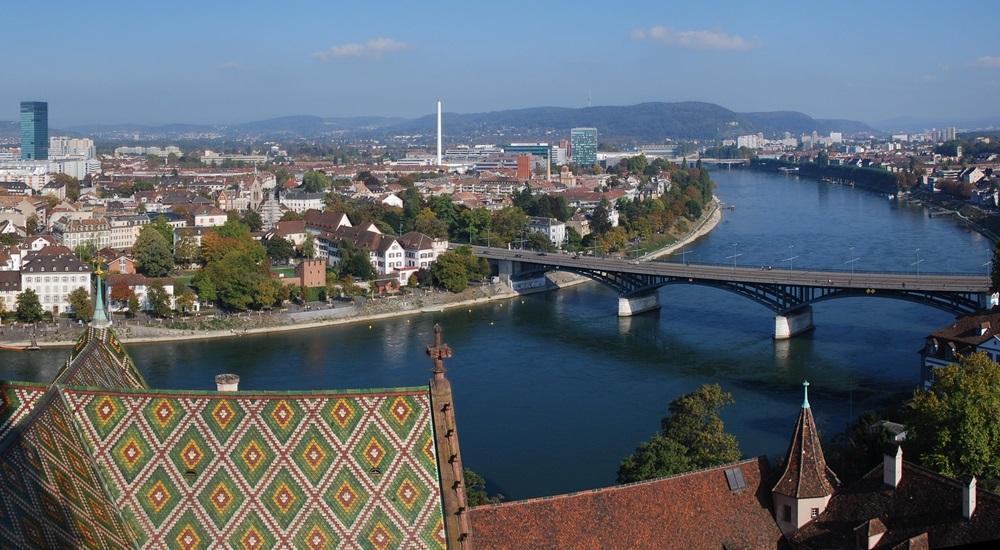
(805, 394)
(100, 315)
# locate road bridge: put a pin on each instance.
(788, 293)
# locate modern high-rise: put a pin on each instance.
(583, 143)
(34, 130)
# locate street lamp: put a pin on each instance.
(734, 256)
(790, 257)
(852, 261)
(918, 262)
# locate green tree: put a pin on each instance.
(31, 225)
(953, 426)
(252, 220)
(475, 489)
(159, 300)
(657, 457)
(72, 185)
(428, 223)
(29, 309)
(83, 308)
(85, 251)
(280, 250)
(152, 253)
(507, 224)
(309, 246)
(600, 222)
(163, 227)
(205, 286)
(457, 269)
(133, 304)
(314, 182)
(355, 262)
(291, 216)
(691, 436)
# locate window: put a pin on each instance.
(814, 513)
(786, 513)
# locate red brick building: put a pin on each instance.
(311, 273)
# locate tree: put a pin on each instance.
(952, 424)
(428, 223)
(72, 185)
(457, 269)
(159, 300)
(83, 308)
(538, 241)
(600, 221)
(291, 216)
(314, 182)
(187, 252)
(475, 489)
(657, 457)
(31, 224)
(29, 309)
(355, 262)
(85, 251)
(120, 292)
(253, 220)
(309, 246)
(507, 224)
(691, 436)
(279, 249)
(162, 227)
(152, 253)
(205, 286)
(185, 302)
(133, 304)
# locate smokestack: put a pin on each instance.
(227, 382)
(439, 133)
(892, 468)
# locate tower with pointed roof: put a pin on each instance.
(805, 487)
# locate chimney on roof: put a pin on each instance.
(969, 498)
(984, 328)
(892, 468)
(227, 382)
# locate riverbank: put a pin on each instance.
(490, 293)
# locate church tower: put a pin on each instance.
(807, 484)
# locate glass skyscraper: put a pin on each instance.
(34, 130)
(583, 143)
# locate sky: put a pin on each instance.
(183, 61)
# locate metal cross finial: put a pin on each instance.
(438, 352)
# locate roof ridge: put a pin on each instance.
(408, 390)
(614, 488)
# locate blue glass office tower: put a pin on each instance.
(583, 142)
(34, 130)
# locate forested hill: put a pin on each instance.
(649, 122)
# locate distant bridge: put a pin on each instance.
(788, 293)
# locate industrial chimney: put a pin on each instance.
(439, 133)
(227, 382)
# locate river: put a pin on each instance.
(552, 390)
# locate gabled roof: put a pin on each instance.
(806, 473)
(692, 510)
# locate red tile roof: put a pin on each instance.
(806, 473)
(923, 502)
(693, 510)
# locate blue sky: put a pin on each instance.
(220, 61)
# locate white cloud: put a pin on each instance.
(991, 61)
(695, 40)
(376, 47)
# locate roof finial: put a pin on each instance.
(438, 352)
(100, 319)
(805, 394)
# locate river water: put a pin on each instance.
(552, 390)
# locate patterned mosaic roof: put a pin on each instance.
(95, 460)
(17, 400)
(354, 469)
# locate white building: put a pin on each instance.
(75, 232)
(553, 229)
(422, 250)
(300, 201)
(53, 274)
(750, 141)
(61, 146)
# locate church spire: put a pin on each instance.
(807, 482)
(101, 319)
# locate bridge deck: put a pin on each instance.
(806, 278)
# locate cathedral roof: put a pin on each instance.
(806, 474)
(96, 459)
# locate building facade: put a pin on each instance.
(584, 146)
(34, 130)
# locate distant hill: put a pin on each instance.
(642, 122)
(645, 122)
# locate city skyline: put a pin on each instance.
(225, 66)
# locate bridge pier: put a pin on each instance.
(634, 305)
(792, 323)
